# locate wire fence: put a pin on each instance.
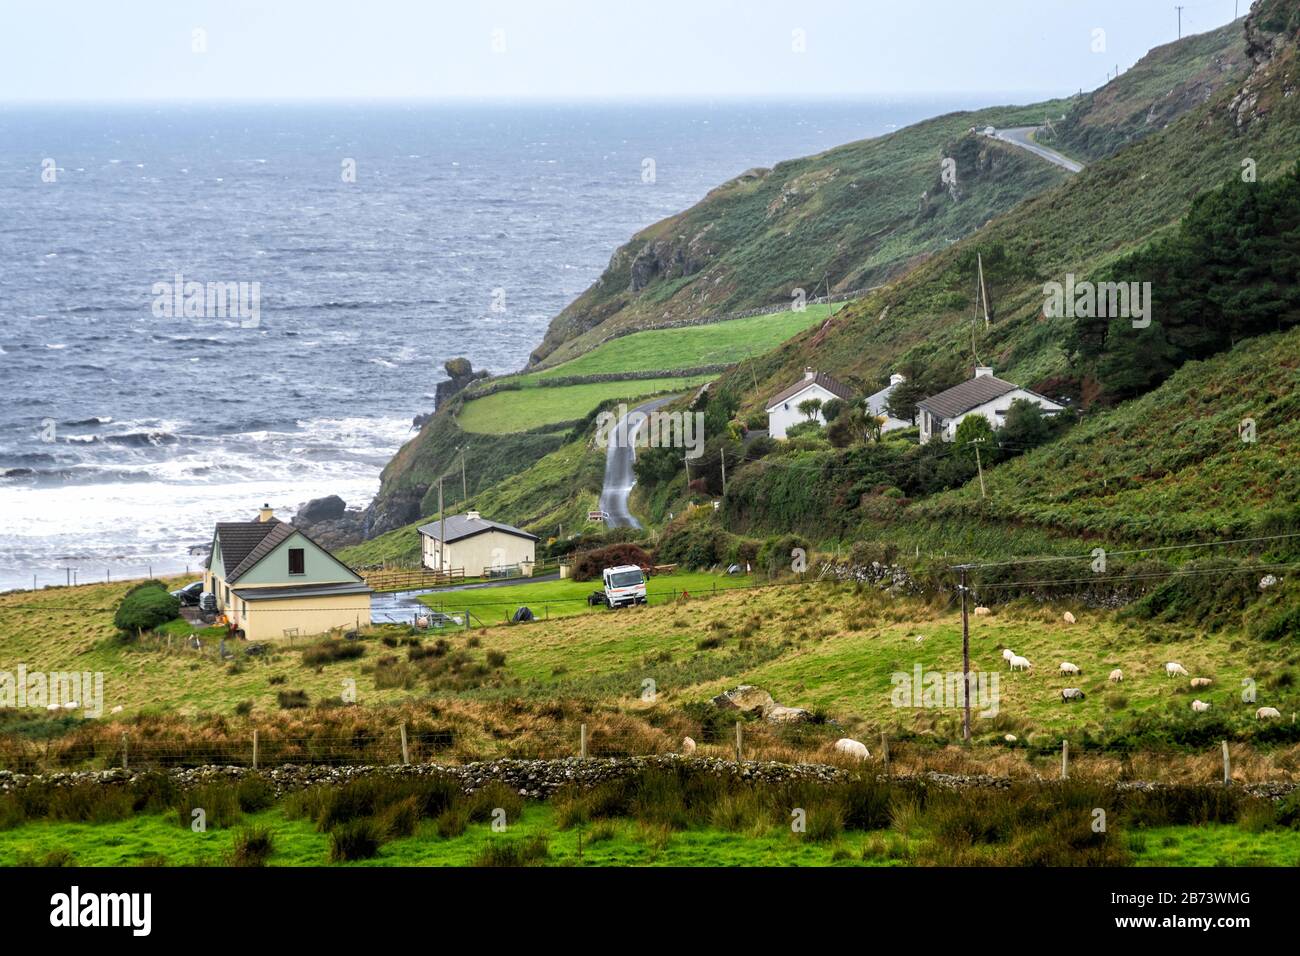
(741, 740)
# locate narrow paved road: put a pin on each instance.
(620, 454)
(1019, 136)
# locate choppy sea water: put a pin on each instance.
(125, 432)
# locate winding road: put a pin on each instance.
(1020, 136)
(620, 455)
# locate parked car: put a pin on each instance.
(189, 595)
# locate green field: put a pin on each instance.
(721, 343)
(521, 410)
(551, 599)
(161, 840)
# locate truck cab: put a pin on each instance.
(624, 585)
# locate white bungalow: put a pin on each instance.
(783, 407)
(985, 394)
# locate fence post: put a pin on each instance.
(406, 757)
(1065, 759)
(740, 742)
(254, 749)
(582, 741)
(1227, 765)
(124, 761)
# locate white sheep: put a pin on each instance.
(51, 707)
(982, 612)
(1201, 682)
(1068, 668)
(1116, 676)
(1267, 712)
(1174, 669)
(1200, 706)
(852, 748)
(71, 705)
(1007, 653)
(116, 710)
(688, 746)
(1019, 663)
(1068, 617)
(1010, 738)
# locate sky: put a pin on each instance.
(282, 50)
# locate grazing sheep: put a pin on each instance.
(1010, 738)
(1068, 617)
(1068, 668)
(1201, 682)
(1071, 693)
(71, 705)
(1200, 706)
(1019, 663)
(51, 707)
(1267, 712)
(982, 612)
(116, 710)
(1007, 653)
(852, 748)
(688, 746)
(1174, 669)
(1116, 676)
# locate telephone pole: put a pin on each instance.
(464, 493)
(1180, 21)
(965, 660)
(442, 529)
(979, 465)
(723, 452)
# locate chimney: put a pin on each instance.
(472, 515)
(809, 375)
(983, 371)
(264, 513)
(897, 379)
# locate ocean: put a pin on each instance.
(377, 241)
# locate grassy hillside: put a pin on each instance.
(858, 214)
(1167, 82)
(1168, 466)
(535, 407)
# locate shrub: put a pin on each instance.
(145, 608)
(588, 565)
(218, 801)
(327, 652)
(514, 852)
(252, 847)
(253, 794)
(358, 840)
(292, 699)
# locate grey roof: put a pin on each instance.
(876, 405)
(302, 590)
(463, 526)
(969, 394)
(239, 538)
(837, 389)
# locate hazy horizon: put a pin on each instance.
(240, 51)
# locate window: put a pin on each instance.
(297, 561)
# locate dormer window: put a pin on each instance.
(297, 561)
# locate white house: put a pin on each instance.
(783, 407)
(985, 394)
(875, 404)
(472, 543)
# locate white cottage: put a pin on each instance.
(875, 404)
(471, 542)
(985, 394)
(783, 407)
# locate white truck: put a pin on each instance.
(624, 585)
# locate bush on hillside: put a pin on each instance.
(145, 608)
(588, 565)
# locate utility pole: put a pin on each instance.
(442, 530)
(965, 660)
(723, 452)
(1180, 21)
(687, 459)
(979, 465)
(464, 494)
